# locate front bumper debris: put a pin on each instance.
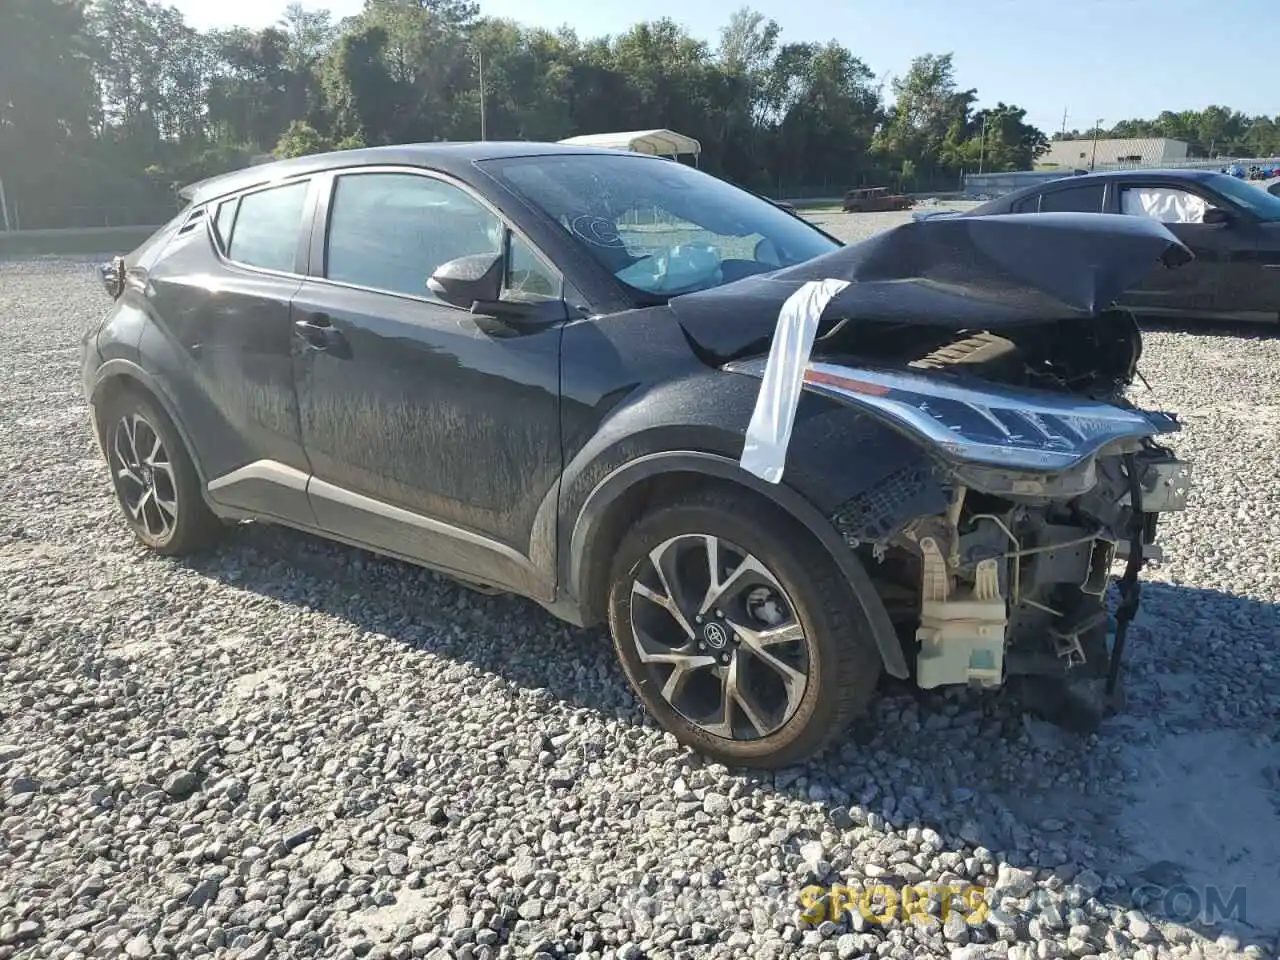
(993, 586)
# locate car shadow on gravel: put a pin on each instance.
(1167, 809)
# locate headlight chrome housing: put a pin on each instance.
(982, 423)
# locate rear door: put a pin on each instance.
(1088, 197)
(433, 433)
(222, 295)
(1222, 278)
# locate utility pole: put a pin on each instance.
(982, 142)
(1064, 123)
(480, 55)
(1097, 125)
(4, 208)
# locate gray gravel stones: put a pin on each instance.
(292, 749)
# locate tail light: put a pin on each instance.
(112, 275)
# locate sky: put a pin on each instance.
(1107, 60)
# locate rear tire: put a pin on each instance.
(155, 481)
(784, 640)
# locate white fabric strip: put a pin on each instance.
(769, 433)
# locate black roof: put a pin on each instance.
(450, 157)
(1172, 174)
(1000, 203)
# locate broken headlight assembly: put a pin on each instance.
(1046, 491)
(986, 424)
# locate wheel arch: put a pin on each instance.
(618, 499)
(119, 375)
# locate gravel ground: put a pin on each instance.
(292, 749)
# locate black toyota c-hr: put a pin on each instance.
(776, 466)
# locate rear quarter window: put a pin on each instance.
(266, 227)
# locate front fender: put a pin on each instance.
(836, 452)
(593, 516)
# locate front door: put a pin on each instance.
(433, 433)
(1267, 289)
(1222, 277)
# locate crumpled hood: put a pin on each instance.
(962, 272)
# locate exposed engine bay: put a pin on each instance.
(1010, 584)
(1096, 358)
(990, 572)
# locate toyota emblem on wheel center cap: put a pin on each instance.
(715, 635)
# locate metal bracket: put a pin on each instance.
(1165, 486)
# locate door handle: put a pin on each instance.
(319, 333)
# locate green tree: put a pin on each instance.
(360, 93)
(48, 108)
(249, 98)
(300, 140)
(1006, 140)
(108, 104)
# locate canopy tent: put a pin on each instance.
(662, 143)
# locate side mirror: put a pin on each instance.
(1216, 215)
(467, 280)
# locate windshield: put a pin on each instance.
(1257, 201)
(660, 227)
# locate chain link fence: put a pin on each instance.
(70, 204)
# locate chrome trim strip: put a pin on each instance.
(358, 501)
(270, 471)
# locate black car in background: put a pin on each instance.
(546, 369)
(1232, 227)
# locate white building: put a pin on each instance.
(1106, 153)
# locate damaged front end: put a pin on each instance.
(998, 545)
(994, 550)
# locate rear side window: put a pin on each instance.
(1086, 198)
(265, 231)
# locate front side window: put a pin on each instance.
(1086, 198)
(266, 228)
(528, 278)
(661, 228)
(390, 231)
(1166, 204)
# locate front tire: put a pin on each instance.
(155, 482)
(738, 632)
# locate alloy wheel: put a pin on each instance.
(719, 636)
(144, 477)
